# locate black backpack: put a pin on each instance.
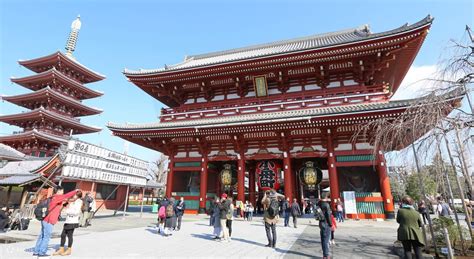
(274, 208)
(319, 214)
(42, 209)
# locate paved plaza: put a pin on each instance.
(135, 237)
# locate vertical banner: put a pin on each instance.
(350, 202)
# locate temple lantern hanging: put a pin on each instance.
(268, 173)
(226, 176)
(311, 176)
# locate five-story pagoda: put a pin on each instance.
(55, 103)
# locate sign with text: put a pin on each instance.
(90, 162)
(350, 204)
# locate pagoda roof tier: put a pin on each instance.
(322, 115)
(60, 60)
(28, 101)
(349, 53)
(40, 80)
(32, 135)
(42, 114)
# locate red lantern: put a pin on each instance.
(268, 173)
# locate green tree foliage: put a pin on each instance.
(413, 187)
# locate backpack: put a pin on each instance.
(318, 214)
(42, 209)
(169, 210)
(230, 212)
(162, 212)
(274, 208)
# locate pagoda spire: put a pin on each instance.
(72, 39)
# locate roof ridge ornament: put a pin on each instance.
(73, 35)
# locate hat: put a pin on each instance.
(224, 196)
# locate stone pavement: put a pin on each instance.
(135, 237)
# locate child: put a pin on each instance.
(161, 219)
(333, 228)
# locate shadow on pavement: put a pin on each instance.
(203, 236)
(248, 241)
(152, 230)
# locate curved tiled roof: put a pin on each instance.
(279, 116)
(10, 153)
(35, 133)
(22, 167)
(47, 90)
(354, 35)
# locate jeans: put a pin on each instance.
(295, 220)
(339, 216)
(287, 218)
(407, 244)
(250, 216)
(85, 219)
(228, 224)
(325, 232)
(41, 247)
(179, 221)
(272, 237)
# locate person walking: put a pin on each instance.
(323, 214)
(216, 215)
(246, 210)
(4, 218)
(180, 211)
(239, 209)
(73, 211)
(423, 211)
(224, 207)
(409, 232)
(339, 211)
(286, 211)
(271, 207)
(230, 217)
(295, 211)
(47, 224)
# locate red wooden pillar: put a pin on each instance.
(241, 178)
(385, 185)
(333, 181)
(252, 194)
(169, 178)
(287, 174)
(203, 185)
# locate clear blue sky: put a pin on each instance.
(148, 34)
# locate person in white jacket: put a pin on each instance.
(73, 211)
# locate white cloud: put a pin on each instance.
(415, 82)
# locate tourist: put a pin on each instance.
(286, 211)
(47, 224)
(73, 211)
(409, 232)
(180, 211)
(305, 204)
(443, 208)
(239, 209)
(161, 218)
(469, 208)
(170, 215)
(423, 211)
(211, 211)
(246, 210)
(339, 211)
(86, 210)
(242, 209)
(251, 209)
(323, 214)
(333, 229)
(4, 218)
(224, 207)
(295, 211)
(230, 217)
(216, 215)
(271, 207)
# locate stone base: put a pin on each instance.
(202, 211)
(390, 215)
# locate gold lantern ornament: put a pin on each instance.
(226, 176)
(310, 175)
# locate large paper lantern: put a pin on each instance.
(226, 176)
(310, 176)
(268, 172)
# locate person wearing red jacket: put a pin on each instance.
(47, 224)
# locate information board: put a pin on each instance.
(350, 205)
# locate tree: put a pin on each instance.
(413, 186)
